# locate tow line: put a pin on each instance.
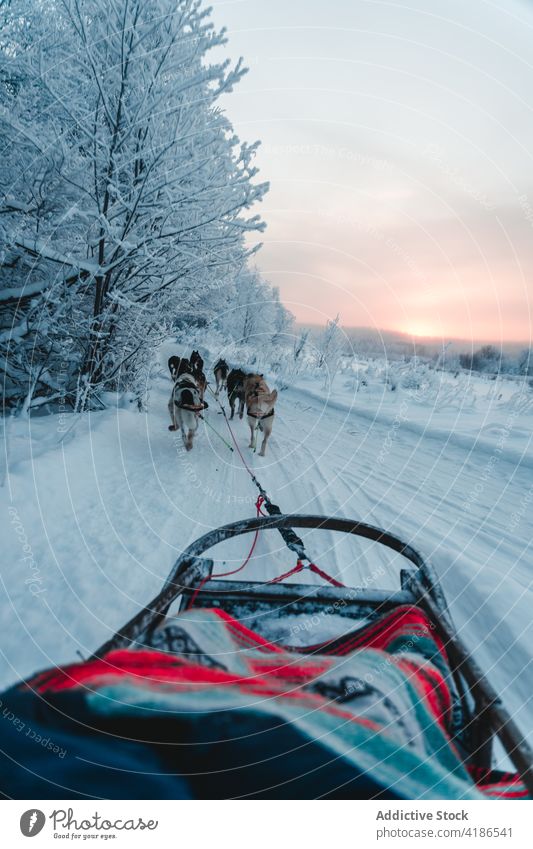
(291, 539)
(226, 443)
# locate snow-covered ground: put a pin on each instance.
(96, 508)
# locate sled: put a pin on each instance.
(483, 717)
(194, 697)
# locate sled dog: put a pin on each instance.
(220, 371)
(235, 390)
(178, 366)
(201, 382)
(259, 409)
(185, 406)
(197, 364)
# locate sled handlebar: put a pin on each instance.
(426, 573)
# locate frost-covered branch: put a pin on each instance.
(124, 191)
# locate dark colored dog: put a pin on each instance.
(197, 364)
(235, 390)
(220, 370)
(201, 381)
(179, 366)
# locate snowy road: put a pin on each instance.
(95, 518)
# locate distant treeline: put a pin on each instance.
(490, 359)
(507, 358)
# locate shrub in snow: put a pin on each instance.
(412, 381)
(525, 362)
(486, 359)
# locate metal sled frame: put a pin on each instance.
(484, 716)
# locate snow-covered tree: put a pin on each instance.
(486, 359)
(283, 319)
(125, 195)
(255, 312)
(299, 346)
(330, 346)
(524, 363)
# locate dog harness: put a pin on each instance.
(194, 408)
(255, 416)
(189, 384)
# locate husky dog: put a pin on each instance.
(235, 390)
(259, 409)
(201, 382)
(220, 370)
(185, 406)
(178, 366)
(197, 364)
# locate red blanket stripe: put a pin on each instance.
(509, 793)
(497, 784)
(152, 668)
(406, 621)
(283, 673)
(431, 686)
(246, 636)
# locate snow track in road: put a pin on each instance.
(106, 513)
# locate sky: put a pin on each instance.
(398, 141)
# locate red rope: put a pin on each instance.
(299, 565)
(258, 505)
(298, 568)
(313, 568)
(241, 455)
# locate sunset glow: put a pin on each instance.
(401, 174)
(425, 331)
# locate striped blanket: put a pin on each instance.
(224, 713)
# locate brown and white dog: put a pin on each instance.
(185, 406)
(259, 402)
